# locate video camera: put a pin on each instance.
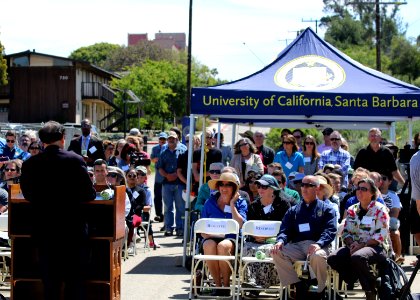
(139, 159)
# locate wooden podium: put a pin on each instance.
(105, 217)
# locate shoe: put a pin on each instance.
(130, 251)
(180, 232)
(154, 245)
(163, 229)
(169, 233)
(158, 219)
(399, 260)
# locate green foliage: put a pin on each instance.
(3, 67)
(96, 54)
(405, 58)
(132, 56)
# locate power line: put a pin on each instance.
(313, 21)
(253, 53)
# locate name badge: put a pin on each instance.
(307, 159)
(135, 194)
(227, 209)
(125, 168)
(92, 149)
(289, 165)
(267, 208)
(304, 227)
(367, 220)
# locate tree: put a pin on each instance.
(3, 67)
(96, 54)
(131, 56)
(405, 58)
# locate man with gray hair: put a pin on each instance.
(336, 155)
(376, 157)
(306, 233)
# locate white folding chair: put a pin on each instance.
(263, 229)
(145, 227)
(214, 227)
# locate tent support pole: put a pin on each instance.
(203, 146)
(188, 200)
(219, 128)
(234, 125)
(392, 134)
(410, 131)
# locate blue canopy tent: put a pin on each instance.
(310, 83)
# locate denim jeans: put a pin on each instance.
(172, 193)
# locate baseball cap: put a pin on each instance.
(270, 181)
(172, 134)
(163, 135)
(134, 131)
(141, 169)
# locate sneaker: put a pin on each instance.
(158, 219)
(169, 233)
(163, 229)
(130, 251)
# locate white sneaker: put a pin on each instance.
(130, 250)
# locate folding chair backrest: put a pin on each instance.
(216, 226)
(261, 228)
(4, 222)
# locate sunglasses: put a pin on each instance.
(308, 185)
(297, 136)
(221, 184)
(10, 141)
(309, 143)
(287, 143)
(335, 139)
(215, 172)
(10, 170)
(111, 148)
(90, 175)
(34, 148)
(244, 144)
(187, 141)
(260, 186)
(132, 176)
(362, 188)
(113, 175)
(384, 178)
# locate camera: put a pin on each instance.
(139, 159)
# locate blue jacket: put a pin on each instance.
(320, 216)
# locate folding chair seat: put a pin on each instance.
(213, 227)
(266, 229)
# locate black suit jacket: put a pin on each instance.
(56, 182)
(76, 147)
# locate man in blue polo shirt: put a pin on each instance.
(307, 230)
(156, 150)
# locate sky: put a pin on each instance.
(237, 37)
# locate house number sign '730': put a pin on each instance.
(64, 77)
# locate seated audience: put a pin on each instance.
(270, 206)
(225, 203)
(365, 238)
(204, 191)
(245, 158)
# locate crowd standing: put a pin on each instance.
(318, 192)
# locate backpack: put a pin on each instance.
(392, 280)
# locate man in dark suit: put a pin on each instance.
(57, 182)
(87, 145)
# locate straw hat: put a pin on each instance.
(229, 177)
(324, 184)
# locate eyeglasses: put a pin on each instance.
(113, 175)
(187, 141)
(287, 143)
(244, 144)
(90, 174)
(208, 137)
(308, 184)
(215, 172)
(10, 141)
(335, 139)
(297, 136)
(362, 188)
(132, 176)
(34, 148)
(111, 148)
(10, 170)
(221, 184)
(260, 186)
(309, 143)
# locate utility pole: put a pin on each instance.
(188, 100)
(378, 25)
(313, 21)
